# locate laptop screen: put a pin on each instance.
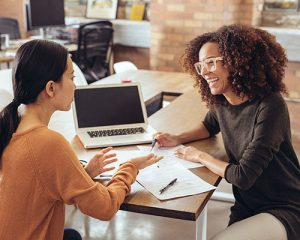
(108, 106)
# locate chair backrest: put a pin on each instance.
(6, 80)
(10, 26)
(124, 66)
(94, 49)
(79, 77)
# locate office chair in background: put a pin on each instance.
(94, 49)
(79, 79)
(10, 26)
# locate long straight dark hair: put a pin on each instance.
(36, 62)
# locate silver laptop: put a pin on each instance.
(111, 115)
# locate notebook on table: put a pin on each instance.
(111, 115)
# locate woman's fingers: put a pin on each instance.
(107, 156)
(105, 150)
(156, 134)
(180, 152)
(109, 161)
(108, 169)
(158, 158)
(154, 159)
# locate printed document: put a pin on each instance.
(155, 178)
(169, 156)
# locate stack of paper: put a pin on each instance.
(154, 179)
(157, 176)
(169, 156)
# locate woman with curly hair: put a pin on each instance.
(239, 71)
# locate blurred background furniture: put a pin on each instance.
(7, 85)
(5, 99)
(94, 49)
(10, 26)
(6, 81)
(6, 88)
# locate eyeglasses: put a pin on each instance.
(210, 65)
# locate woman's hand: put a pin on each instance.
(145, 161)
(97, 164)
(166, 139)
(190, 153)
(213, 164)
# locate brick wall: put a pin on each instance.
(292, 79)
(139, 56)
(176, 22)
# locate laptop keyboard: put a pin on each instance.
(116, 132)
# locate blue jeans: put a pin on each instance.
(71, 234)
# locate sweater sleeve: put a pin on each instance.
(211, 123)
(64, 179)
(269, 132)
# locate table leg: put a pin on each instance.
(201, 225)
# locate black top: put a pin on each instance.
(264, 169)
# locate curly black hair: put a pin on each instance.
(255, 62)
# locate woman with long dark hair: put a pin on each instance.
(39, 171)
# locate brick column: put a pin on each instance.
(175, 22)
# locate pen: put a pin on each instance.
(153, 144)
(169, 185)
(106, 175)
(83, 162)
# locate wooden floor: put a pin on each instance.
(134, 226)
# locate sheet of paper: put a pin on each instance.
(154, 179)
(169, 156)
(122, 156)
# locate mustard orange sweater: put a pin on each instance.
(39, 173)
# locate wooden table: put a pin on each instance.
(182, 114)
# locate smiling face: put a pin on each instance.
(216, 79)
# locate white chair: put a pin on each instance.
(79, 77)
(6, 81)
(124, 66)
(5, 99)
